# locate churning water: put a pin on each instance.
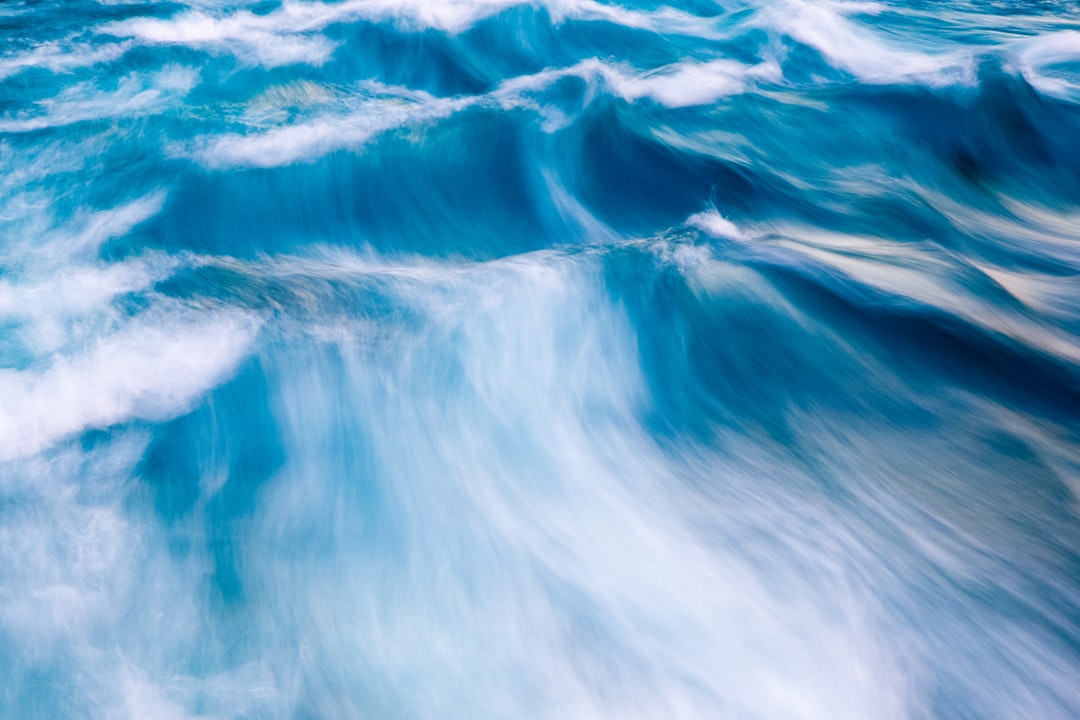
(540, 359)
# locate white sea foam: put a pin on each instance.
(663, 20)
(290, 34)
(350, 122)
(79, 590)
(377, 109)
(291, 143)
(281, 38)
(60, 293)
(687, 84)
(62, 57)
(60, 576)
(716, 225)
(472, 503)
(53, 248)
(872, 58)
(56, 297)
(46, 308)
(476, 516)
(860, 51)
(136, 95)
(152, 369)
(115, 222)
(541, 541)
(681, 84)
(1051, 48)
(1038, 55)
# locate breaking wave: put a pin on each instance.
(547, 359)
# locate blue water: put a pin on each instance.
(555, 359)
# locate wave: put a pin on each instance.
(59, 57)
(539, 359)
(374, 108)
(289, 34)
(147, 373)
(135, 96)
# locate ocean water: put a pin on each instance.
(492, 359)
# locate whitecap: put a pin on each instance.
(152, 369)
(291, 33)
(136, 95)
(715, 224)
(376, 109)
(348, 122)
(541, 538)
(62, 57)
(860, 51)
(1037, 57)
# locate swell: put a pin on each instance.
(562, 359)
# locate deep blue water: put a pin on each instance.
(560, 359)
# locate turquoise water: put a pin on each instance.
(555, 359)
